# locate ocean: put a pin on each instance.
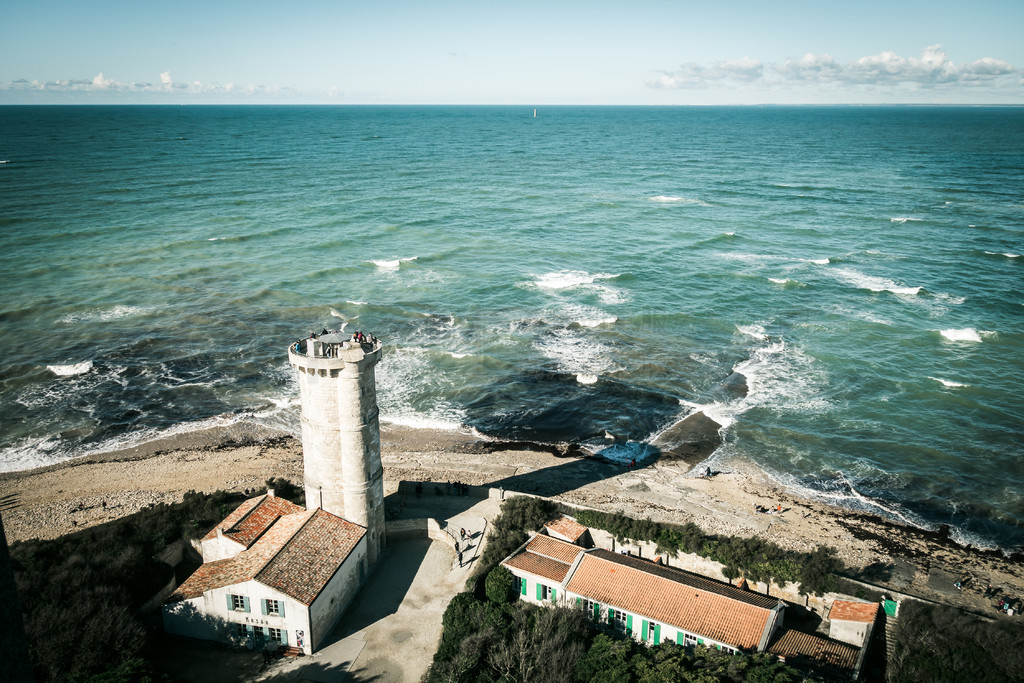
(550, 278)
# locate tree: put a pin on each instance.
(499, 585)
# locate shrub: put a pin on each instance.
(500, 584)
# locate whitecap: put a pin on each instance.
(903, 219)
(357, 303)
(103, 315)
(663, 199)
(818, 261)
(1002, 253)
(948, 383)
(70, 369)
(565, 279)
(586, 379)
(873, 283)
(391, 264)
(755, 330)
(964, 334)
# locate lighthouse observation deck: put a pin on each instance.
(332, 350)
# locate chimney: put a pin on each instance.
(270, 492)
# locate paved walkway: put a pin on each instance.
(391, 631)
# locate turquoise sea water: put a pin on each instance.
(549, 278)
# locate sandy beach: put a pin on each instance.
(52, 501)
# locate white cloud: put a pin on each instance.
(933, 68)
(119, 90)
(692, 75)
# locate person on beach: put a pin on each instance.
(462, 532)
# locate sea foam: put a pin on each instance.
(965, 334)
(663, 199)
(70, 369)
(873, 283)
(391, 264)
(948, 383)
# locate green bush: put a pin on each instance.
(80, 594)
(939, 643)
(499, 586)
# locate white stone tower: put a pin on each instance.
(340, 431)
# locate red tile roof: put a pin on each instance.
(554, 548)
(546, 556)
(568, 527)
(311, 556)
(297, 555)
(675, 597)
(847, 610)
(252, 518)
(820, 651)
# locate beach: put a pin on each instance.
(52, 501)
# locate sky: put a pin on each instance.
(642, 52)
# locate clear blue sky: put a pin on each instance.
(526, 52)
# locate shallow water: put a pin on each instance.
(591, 270)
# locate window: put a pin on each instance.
(654, 633)
(275, 634)
(273, 608)
(690, 640)
(620, 620)
(239, 630)
(545, 592)
(238, 603)
(520, 585)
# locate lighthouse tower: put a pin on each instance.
(340, 431)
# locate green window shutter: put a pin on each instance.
(245, 599)
(579, 601)
(657, 633)
(629, 623)
(700, 641)
(284, 637)
(611, 616)
(280, 608)
(231, 602)
(643, 629)
(679, 637)
(539, 593)
(263, 606)
(597, 611)
(553, 595)
(522, 586)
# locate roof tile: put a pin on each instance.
(297, 554)
(675, 597)
(847, 610)
(821, 651)
(566, 526)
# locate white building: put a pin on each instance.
(271, 571)
(650, 602)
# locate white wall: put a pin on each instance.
(336, 596)
(220, 548)
(209, 618)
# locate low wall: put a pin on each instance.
(417, 528)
